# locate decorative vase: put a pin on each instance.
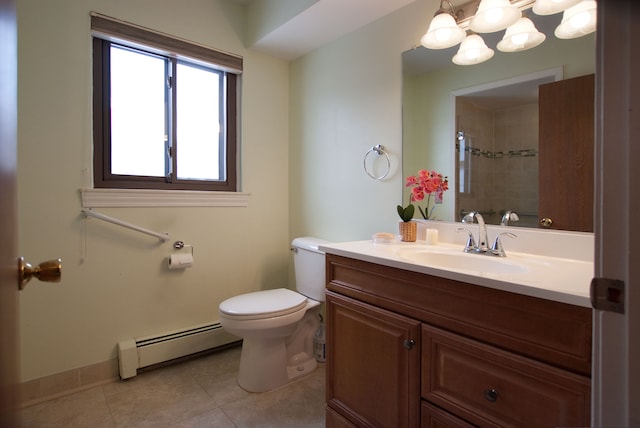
(408, 231)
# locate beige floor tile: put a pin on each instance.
(201, 392)
(213, 419)
(80, 410)
(299, 404)
(158, 403)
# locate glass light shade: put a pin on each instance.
(549, 7)
(494, 15)
(443, 32)
(578, 20)
(473, 50)
(521, 36)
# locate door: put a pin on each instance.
(616, 336)
(566, 134)
(8, 209)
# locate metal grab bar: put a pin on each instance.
(161, 236)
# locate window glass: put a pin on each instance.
(198, 125)
(137, 113)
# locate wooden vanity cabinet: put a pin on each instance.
(406, 349)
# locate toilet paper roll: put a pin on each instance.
(180, 261)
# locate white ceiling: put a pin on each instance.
(321, 23)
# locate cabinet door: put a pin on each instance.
(373, 364)
(566, 145)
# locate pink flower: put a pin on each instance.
(417, 194)
(427, 183)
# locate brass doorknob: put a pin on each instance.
(49, 271)
(546, 222)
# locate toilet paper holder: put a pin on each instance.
(180, 260)
(179, 245)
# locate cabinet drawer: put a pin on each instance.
(491, 387)
(433, 417)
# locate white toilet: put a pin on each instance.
(278, 326)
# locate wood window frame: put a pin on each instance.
(106, 30)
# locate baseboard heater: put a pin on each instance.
(137, 353)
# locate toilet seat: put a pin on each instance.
(263, 304)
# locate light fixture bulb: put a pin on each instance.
(473, 50)
(494, 15)
(443, 32)
(520, 39)
(521, 36)
(578, 20)
(549, 7)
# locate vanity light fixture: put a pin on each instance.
(443, 31)
(521, 36)
(578, 20)
(494, 15)
(487, 16)
(473, 50)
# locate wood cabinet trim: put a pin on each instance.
(553, 332)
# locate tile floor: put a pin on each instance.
(201, 392)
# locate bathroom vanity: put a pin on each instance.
(410, 345)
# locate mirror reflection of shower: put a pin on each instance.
(497, 161)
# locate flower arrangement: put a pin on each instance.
(425, 183)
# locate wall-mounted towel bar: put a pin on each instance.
(161, 236)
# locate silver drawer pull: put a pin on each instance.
(491, 395)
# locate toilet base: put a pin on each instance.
(269, 362)
(262, 368)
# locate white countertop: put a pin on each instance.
(552, 278)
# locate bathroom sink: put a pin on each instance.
(462, 261)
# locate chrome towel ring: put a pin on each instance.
(379, 150)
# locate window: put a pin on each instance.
(165, 111)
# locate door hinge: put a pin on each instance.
(607, 295)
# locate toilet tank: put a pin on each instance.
(308, 263)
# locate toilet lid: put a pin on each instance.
(263, 304)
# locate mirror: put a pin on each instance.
(441, 99)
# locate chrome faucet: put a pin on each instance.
(481, 243)
(481, 246)
(509, 216)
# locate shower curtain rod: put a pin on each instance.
(161, 236)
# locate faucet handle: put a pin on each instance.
(497, 247)
(469, 217)
(509, 216)
(471, 243)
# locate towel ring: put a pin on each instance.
(379, 150)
